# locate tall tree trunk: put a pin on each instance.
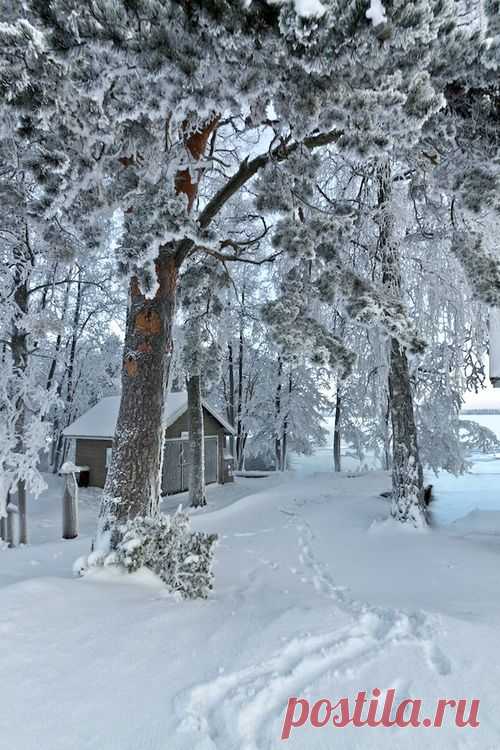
(337, 435)
(133, 481)
(339, 329)
(57, 349)
(19, 346)
(284, 436)
(230, 406)
(197, 493)
(59, 441)
(407, 476)
(387, 436)
(74, 340)
(239, 407)
(277, 419)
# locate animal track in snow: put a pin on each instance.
(237, 709)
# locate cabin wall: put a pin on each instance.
(176, 456)
(92, 453)
(210, 426)
(176, 464)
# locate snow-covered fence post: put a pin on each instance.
(8, 513)
(5, 483)
(4, 501)
(70, 508)
(10, 525)
(70, 499)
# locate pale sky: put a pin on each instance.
(489, 398)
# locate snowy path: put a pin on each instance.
(315, 597)
(256, 693)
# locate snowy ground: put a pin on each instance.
(456, 496)
(316, 596)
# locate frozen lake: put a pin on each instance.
(455, 496)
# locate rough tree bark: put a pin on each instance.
(278, 458)
(19, 347)
(407, 475)
(197, 492)
(69, 376)
(337, 435)
(230, 405)
(133, 479)
(284, 437)
(133, 482)
(387, 436)
(408, 504)
(57, 348)
(339, 328)
(240, 439)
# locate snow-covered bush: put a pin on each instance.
(182, 558)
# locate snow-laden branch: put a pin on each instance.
(249, 168)
(303, 8)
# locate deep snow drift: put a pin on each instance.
(317, 595)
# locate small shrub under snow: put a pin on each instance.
(182, 558)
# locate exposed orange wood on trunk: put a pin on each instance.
(148, 322)
(131, 366)
(196, 144)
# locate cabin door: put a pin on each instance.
(176, 464)
(210, 459)
(173, 467)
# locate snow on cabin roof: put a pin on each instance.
(99, 422)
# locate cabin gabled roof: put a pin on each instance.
(99, 422)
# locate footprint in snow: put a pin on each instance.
(237, 709)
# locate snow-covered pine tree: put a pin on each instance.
(199, 306)
(137, 94)
(26, 240)
(408, 505)
(463, 143)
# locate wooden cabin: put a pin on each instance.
(93, 435)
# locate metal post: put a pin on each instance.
(10, 536)
(70, 507)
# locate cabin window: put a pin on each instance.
(109, 453)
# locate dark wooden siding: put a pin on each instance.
(176, 464)
(210, 425)
(93, 453)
